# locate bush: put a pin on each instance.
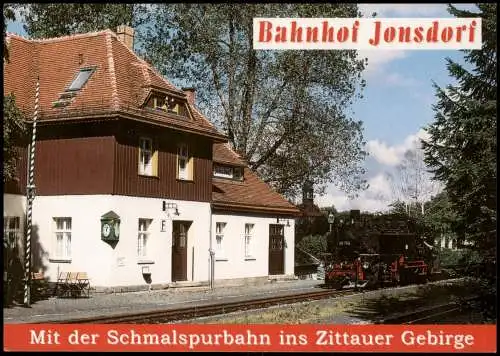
(316, 245)
(459, 257)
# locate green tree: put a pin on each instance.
(285, 112)
(14, 130)
(316, 245)
(53, 20)
(8, 15)
(14, 127)
(462, 149)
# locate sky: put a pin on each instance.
(395, 108)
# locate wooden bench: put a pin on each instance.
(62, 288)
(83, 282)
(73, 284)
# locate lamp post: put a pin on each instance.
(331, 219)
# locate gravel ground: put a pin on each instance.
(61, 309)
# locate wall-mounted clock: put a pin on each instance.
(110, 227)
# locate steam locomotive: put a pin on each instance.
(371, 251)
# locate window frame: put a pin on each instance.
(232, 175)
(62, 253)
(143, 238)
(188, 168)
(151, 169)
(11, 243)
(91, 71)
(220, 254)
(248, 241)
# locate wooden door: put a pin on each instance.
(276, 249)
(179, 250)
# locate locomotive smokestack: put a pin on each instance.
(355, 214)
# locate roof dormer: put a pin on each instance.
(167, 103)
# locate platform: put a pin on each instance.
(99, 304)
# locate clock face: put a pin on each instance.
(116, 229)
(106, 230)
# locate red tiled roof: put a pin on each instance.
(250, 194)
(119, 86)
(120, 83)
(224, 154)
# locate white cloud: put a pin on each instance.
(392, 155)
(404, 10)
(379, 59)
(380, 192)
(396, 79)
(382, 153)
(376, 198)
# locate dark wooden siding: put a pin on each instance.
(102, 158)
(69, 159)
(75, 166)
(129, 182)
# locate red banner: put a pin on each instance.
(261, 337)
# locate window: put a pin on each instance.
(80, 80)
(248, 239)
(224, 171)
(219, 238)
(11, 231)
(62, 238)
(238, 173)
(143, 237)
(148, 158)
(184, 163)
(168, 104)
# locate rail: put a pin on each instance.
(184, 313)
(426, 314)
(216, 308)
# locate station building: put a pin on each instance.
(134, 185)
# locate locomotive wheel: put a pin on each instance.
(403, 278)
(337, 286)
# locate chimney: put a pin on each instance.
(191, 94)
(126, 35)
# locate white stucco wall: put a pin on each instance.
(232, 264)
(118, 266)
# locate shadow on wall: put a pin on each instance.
(14, 268)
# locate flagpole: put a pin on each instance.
(30, 196)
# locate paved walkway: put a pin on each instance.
(60, 309)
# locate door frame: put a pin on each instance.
(185, 257)
(283, 246)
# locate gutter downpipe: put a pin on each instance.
(211, 250)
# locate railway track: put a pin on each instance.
(215, 308)
(427, 315)
(169, 315)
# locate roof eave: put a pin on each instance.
(216, 137)
(239, 207)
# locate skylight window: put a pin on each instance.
(80, 80)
